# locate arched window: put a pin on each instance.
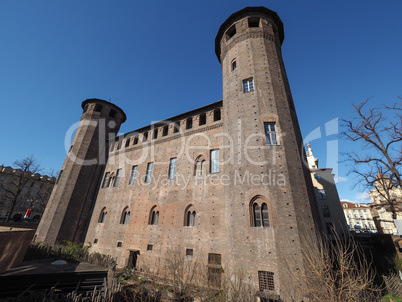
(200, 166)
(259, 212)
(102, 216)
(190, 216)
(111, 180)
(153, 216)
(125, 216)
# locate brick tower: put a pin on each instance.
(273, 190)
(69, 208)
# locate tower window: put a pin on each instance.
(98, 108)
(214, 161)
(176, 127)
(189, 252)
(254, 22)
(95, 240)
(234, 65)
(189, 123)
(133, 175)
(119, 244)
(321, 194)
(112, 113)
(203, 119)
(127, 142)
(148, 176)
(102, 216)
(165, 130)
(190, 219)
(106, 180)
(259, 213)
(248, 85)
(270, 133)
(231, 32)
(325, 211)
(153, 216)
(135, 140)
(266, 281)
(155, 133)
(149, 247)
(172, 168)
(217, 114)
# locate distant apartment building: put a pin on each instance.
(329, 204)
(386, 199)
(358, 217)
(35, 190)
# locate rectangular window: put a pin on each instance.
(325, 211)
(214, 259)
(145, 137)
(150, 248)
(189, 252)
(321, 194)
(214, 161)
(248, 85)
(135, 140)
(117, 179)
(95, 240)
(270, 133)
(148, 176)
(165, 130)
(189, 123)
(176, 127)
(133, 175)
(172, 168)
(217, 115)
(119, 244)
(127, 142)
(106, 180)
(155, 134)
(266, 281)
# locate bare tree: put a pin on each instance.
(336, 270)
(380, 131)
(13, 188)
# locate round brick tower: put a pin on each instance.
(271, 190)
(69, 208)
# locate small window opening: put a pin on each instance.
(217, 115)
(127, 142)
(112, 113)
(234, 65)
(165, 130)
(254, 22)
(203, 119)
(150, 248)
(189, 123)
(155, 134)
(189, 252)
(176, 127)
(231, 32)
(145, 137)
(95, 240)
(214, 259)
(119, 244)
(135, 140)
(98, 108)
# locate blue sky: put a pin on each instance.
(156, 59)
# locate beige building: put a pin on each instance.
(329, 205)
(382, 204)
(358, 217)
(34, 195)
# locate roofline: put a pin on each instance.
(248, 9)
(171, 119)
